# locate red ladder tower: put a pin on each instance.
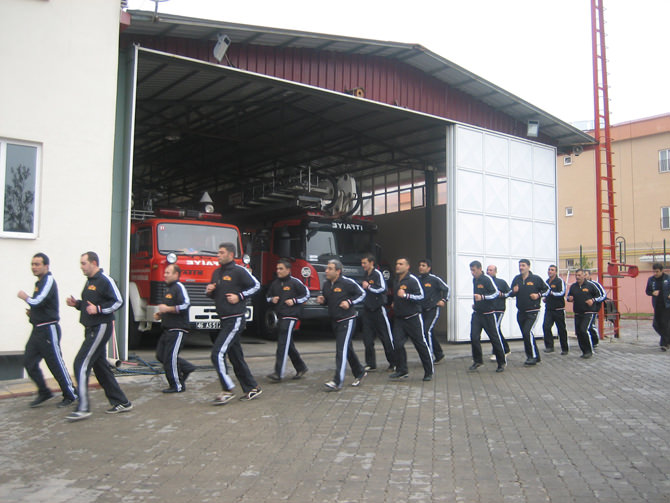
(605, 219)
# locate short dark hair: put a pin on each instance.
(175, 268)
(370, 258)
(427, 262)
(554, 266)
(476, 263)
(579, 270)
(92, 257)
(285, 262)
(229, 247)
(656, 267)
(525, 261)
(45, 259)
(403, 258)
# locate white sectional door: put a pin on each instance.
(501, 208)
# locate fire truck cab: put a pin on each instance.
(189, 239)
(310, 240)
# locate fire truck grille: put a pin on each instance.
(196, 293)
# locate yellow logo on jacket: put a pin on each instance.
(530, 283)
(286, 288)
(427, 285)
(337, 289)
(92, 287)
(480, 286)
(168, 296)
(226, 278)
(403, 287)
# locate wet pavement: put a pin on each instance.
(566, 430)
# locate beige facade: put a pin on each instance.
(642, 190)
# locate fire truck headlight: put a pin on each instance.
(306, 272)
(209, 208)
(246, 259)
(171, 258)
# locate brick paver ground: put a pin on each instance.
(566, 430)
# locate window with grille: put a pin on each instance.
(665, 218)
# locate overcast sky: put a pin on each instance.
(539, 50)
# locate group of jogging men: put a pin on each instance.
(416, 303)
(490, 294)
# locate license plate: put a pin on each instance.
(208, 325)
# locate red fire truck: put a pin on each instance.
(189, 239)
(310, 239)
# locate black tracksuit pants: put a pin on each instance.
(376, 324)
(412, 328)
(167, 352)
(228, 343)
(551, 318)
(93, 355)
(583, 323)
(429, 320)
(44, 342)
(499, 316)
(526, 320)
(344, 351)
(489, 323)
(661, 322)
(286, 348)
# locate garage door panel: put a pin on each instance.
(521, 199)
(469, 195)
(497, 236)
(496, 195)
(521, 160)
(470, 235)
(470, 154)
(496, 151)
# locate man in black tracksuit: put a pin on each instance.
(658, 288)
(341, 294)
(408, 322)
(288, 294)
(528, 289)
(374, 317)
(597, 305)
(173, 313)
(435, 296)
(44, 339)
(583, 295)
(231, 284)
(485, 294)
(554, 312)
(499, 305)
(100, 299)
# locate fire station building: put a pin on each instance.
(102, 107)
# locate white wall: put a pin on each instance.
(501, 208)
(58, 88)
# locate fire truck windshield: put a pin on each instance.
(194, 239)
(349, 247)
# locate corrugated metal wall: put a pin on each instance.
(384, 80)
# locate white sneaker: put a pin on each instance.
(331, 386)
(357, 381)
(492, 358)
(223, 398)
(78, 415)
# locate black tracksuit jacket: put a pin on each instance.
(288, 288)
(375, 295)
(486, 287)
(434, 290)
(556, 296)
(532, 284)
(100, 290)
(232, 278)
(44, 302)
(580, 294)
(410, 304)
(334, 293)
(176, 296)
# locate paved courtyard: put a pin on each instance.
(566, 430)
